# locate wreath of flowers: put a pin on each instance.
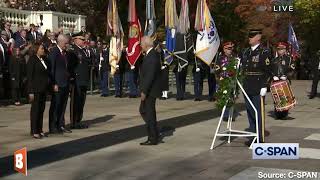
(227, 83)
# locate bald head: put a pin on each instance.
(146, 43)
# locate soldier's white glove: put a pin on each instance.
(117, 66)
(198, 70)
(101, 58)
(263, 91)
(132, 67)
(283, 78)
(163, 67)
(275, 78)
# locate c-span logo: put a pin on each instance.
(275, 151)
(20, 161)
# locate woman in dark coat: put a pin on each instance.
(38, 82)
(17, 75)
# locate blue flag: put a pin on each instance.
(293, 41)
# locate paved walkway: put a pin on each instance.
(110, 150)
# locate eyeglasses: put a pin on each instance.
(8, 24)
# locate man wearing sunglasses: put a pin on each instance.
(255, 62)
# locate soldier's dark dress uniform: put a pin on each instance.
(81, 77)
(256, 69)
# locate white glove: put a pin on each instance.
(275, 78)
(163, 67)
(101, 58)
(263, 91)
(132, 67)
(283, 78)
(117, 66)
(198, 70)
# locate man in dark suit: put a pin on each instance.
(150, 80)
(5, 74)
(82, 62)
(21, 39)
(61, 76)
(33, 35)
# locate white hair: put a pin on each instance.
(62, 38)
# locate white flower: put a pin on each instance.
(225, 92)
(224, 68)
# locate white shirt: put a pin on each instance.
(148, 51)
(319, 66)
(60, 49)
(2, 49)
(254, 47)
(42, 62)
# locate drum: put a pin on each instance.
(282, 95)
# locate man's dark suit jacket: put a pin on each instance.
(59, 67)
(150, 75)
(38, 75)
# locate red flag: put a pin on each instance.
(134, 48)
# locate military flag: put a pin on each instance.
(114, 29)
(208, 40)
(171, 24)
(293, 41)
(150, 26)
(134, 48)
(184, 42)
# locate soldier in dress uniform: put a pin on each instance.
(181, 76)
(81, 63)
(118, 76)
(282, 67)
(256, 69)
(316, 75)
(199, 71)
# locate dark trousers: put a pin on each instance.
(148, 113)
(79, 100)
(36, 114)
(198, 84)
(57, 108)
(104, 77)
(181, 83)
(16, 94)
(212, 84)
(258, 102)
(130, 80)
(118, 83)
(315, 82)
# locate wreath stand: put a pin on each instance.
(229, 132)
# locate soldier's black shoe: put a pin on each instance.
(312, 96)
(197, 99)
(148, 143)
(248, 143)
(65, 130)
(132, 96)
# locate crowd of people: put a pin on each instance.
(54, 64)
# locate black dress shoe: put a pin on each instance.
(65, 130)
(197, 99)
(312, 96)
(148, 143)
(248, 143)
(132, 96)
(44, 134)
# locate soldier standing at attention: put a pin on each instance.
(81, 62)
(256, 69)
